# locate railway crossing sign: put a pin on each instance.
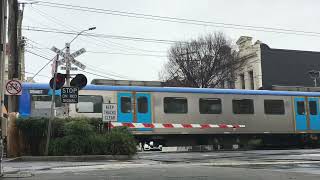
(70, 57)
(69, 95)
(13, 87)
(109, 112)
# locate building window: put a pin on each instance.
(313, 107)
(210, 106)
(125, 104)
(231, 84)
(222, 82)
(177, 105)
(274, 107)
(242, 81)
(251, 79)
(242, 106)
(89, 104)
(142, 104)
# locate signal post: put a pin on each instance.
(58, 81)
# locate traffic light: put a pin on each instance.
(60, 80)
(79, 81)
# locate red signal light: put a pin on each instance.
(60, 80)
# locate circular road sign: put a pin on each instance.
(13, 87)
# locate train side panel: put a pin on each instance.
(258, 122)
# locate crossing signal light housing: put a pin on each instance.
(60, 80)
(79, 81)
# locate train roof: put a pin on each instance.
(181, 90)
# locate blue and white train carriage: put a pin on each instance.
(283, 117)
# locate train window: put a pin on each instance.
(44, 102)
(313, 107)
(242, 106)
(210, 106)
(142, 104)
(300, 108)
(177, 105)
(274, 107)
(126, 104)
(89, 104)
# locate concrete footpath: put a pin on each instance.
(69, 158)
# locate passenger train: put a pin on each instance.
(284, 117)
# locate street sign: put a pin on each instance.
(78, 53)
(13, 87)
(71, 68)
(109, 112)
(69, 95)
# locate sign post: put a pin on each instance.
(69, 95)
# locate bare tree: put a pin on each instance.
(207, 62)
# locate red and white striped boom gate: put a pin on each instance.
(170, 125)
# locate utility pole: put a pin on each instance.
(3, 15)
(21, 43)
(13, 70)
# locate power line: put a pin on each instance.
(177, 20)
(94, 68)
(128, 54)
(50, 60)
(96, 74)
(107, 52)
(38, 74)
(70, 27)
(61, 31)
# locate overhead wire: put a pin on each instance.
(70, 27)
(50, 60)
(177, 20)
(61, 31)
(94, 68)
(105, 52)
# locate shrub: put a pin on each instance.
(121, 141)
(78, 128)
(34, 131)
(76, 136)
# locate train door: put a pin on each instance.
(143, 108)
(314, 115)
(125, 112)
(134, 107)
(300, 113)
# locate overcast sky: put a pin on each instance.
(149, 57)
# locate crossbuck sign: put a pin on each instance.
(70, 57)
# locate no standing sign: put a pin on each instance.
(13, 87)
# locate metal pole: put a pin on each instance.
(52, 115)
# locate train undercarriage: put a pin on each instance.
(234, 141)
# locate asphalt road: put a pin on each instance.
(262, 165)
